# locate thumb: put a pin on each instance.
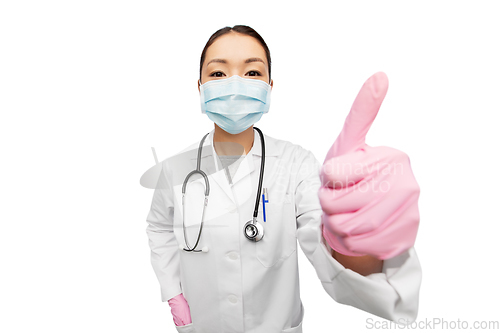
(360, 118)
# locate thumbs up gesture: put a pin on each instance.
(369, 194)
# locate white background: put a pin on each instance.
(88, 87)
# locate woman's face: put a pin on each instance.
(235, 54)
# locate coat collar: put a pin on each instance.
(270, 145)
(246, 167)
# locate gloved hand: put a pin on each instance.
(369, 194)
(180, 310)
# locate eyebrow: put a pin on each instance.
(249, 60)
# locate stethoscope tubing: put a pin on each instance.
(253, 224)
(207, 192)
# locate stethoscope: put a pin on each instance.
(253, 230)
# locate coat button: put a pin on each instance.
(232, 299)
(233, 255)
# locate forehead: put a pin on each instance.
(235, 47)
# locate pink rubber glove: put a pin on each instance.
(180, 310)
(369, 194)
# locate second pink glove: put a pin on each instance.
(180, 310)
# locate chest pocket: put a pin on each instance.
(279, 240)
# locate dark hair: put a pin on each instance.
(242, 29)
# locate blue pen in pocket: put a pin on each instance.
(264, 200)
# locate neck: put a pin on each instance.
(233, 144)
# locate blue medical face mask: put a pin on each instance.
(235, 103)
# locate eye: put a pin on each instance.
(253, 73)
(217, 74)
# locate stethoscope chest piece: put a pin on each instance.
(253, 230)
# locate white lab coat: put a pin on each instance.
(253, 287)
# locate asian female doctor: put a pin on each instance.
(223, 238)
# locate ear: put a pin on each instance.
(199, 86)
(271, 84)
